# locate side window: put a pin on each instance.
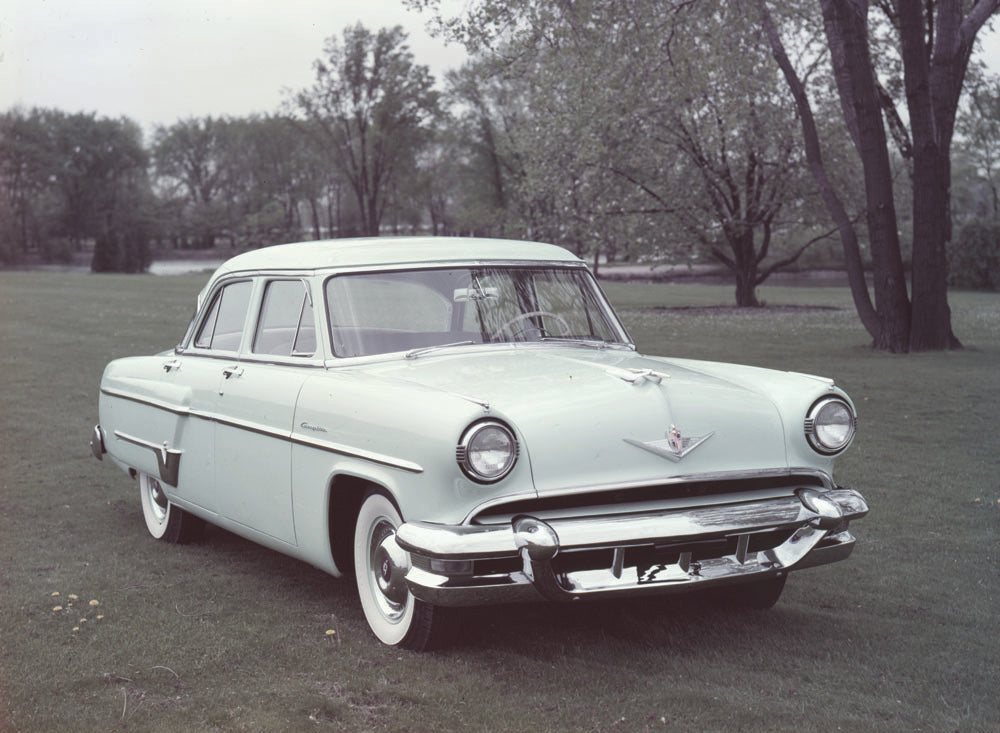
(222, 328)
(286, 326)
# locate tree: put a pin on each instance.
(720, 114)
(29, 200)
(934, 41)
(369, 108)
(107, 191)
(686, 138)
(73, 178)
(978, 143)
(193, 160)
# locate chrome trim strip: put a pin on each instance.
(342, 450)
(168, 461)
(460, 542)
(824, 478)
(259, 429)
(184, 411)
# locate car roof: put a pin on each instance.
(391, 251)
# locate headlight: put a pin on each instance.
(830, 425)
(487, 451)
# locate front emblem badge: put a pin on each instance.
(673, 447)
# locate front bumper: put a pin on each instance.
(627, 554)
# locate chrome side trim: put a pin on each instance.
(146, 401)
(369, 456)
(168, 460)
(324, 445)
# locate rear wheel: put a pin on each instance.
(380, 566)
(164, 520)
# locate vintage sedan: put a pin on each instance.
(466, 421)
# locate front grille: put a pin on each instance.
(619, 500)
(667, 553)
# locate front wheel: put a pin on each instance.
(164, 520)
(380, 566)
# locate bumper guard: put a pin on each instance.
(443, 557)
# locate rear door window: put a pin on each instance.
(222, 329)
(286, 326)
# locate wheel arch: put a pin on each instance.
(347, 492)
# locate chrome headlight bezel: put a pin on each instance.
(472, 443)
(818, 424)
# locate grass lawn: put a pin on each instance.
(225, 635)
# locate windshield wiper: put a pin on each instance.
(414, 353)
(592, 343)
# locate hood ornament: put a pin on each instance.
(636, 376)
(673, 447)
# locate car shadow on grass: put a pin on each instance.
(697, 623)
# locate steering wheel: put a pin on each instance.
(514, 333)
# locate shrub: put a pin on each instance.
(975, 257)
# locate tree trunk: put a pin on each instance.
(934, 65)
(847, 31)
(933, 85)
(743, 265)
(315, 217)
(746, 293)
(930, 328)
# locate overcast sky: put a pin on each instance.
(158, 61)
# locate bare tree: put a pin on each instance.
(369, 107)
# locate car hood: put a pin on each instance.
(591, 418)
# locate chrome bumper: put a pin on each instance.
(444, 559)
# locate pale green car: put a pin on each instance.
(465, 421)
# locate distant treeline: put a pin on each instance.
(685, 149)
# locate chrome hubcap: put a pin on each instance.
(388, 565)
(158, 499)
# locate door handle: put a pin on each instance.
(171, 365)
(233, 371)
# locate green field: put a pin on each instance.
(225, 635)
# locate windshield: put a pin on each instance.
(378, 313)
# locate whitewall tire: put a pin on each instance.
(164, 520)
(394, 615)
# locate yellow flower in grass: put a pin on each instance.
(56, 609)
(74, 597)
(95, 603)
(100, 616)
(55, 594)
(330, 632)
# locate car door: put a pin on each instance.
(257, 394)
(200, 368)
